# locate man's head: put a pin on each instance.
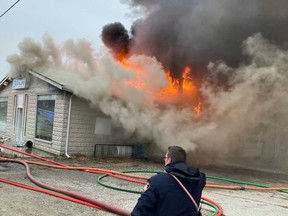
(175, 154)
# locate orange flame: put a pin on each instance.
(176, 86)
(187, 81)
(177, 90)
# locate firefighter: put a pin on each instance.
(163, 196)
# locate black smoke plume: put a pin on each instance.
(116, 37)
(195, 32)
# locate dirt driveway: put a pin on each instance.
(15, 201)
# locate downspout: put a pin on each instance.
(68, 127)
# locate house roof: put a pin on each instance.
(50, 81)
(5, 81)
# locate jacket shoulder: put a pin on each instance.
(156, 179)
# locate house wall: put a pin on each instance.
(37, 87)
(82, 138)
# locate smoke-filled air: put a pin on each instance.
(203, 74)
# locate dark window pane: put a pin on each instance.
(45, 117)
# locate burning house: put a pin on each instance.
(208, 75)
(228, 53)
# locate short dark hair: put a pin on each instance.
(176, 153)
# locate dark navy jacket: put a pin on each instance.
(165, 197)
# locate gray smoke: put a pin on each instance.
(195, 32)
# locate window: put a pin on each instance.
(3, 113)
(45, 117)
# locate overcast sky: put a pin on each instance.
(61, 19)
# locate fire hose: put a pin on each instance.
(49, 193)
(217, 208)
(82, 199)
(86, 169)
(64, 166)
(128, 177)
(103, 205)
(31, 155)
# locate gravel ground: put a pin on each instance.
(16, 201)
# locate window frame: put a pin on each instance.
(48, 117)
(3, 100)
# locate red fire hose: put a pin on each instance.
(105, 206)
(32, 155)
(49, 193)
(80, 198)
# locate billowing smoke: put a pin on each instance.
(240, 43)
(195, 32)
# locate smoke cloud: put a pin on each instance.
(195, 32)
(238, 51)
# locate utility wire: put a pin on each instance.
(9, 8)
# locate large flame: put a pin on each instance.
(178, 91)
(182, 91)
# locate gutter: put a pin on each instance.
(68, 127)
